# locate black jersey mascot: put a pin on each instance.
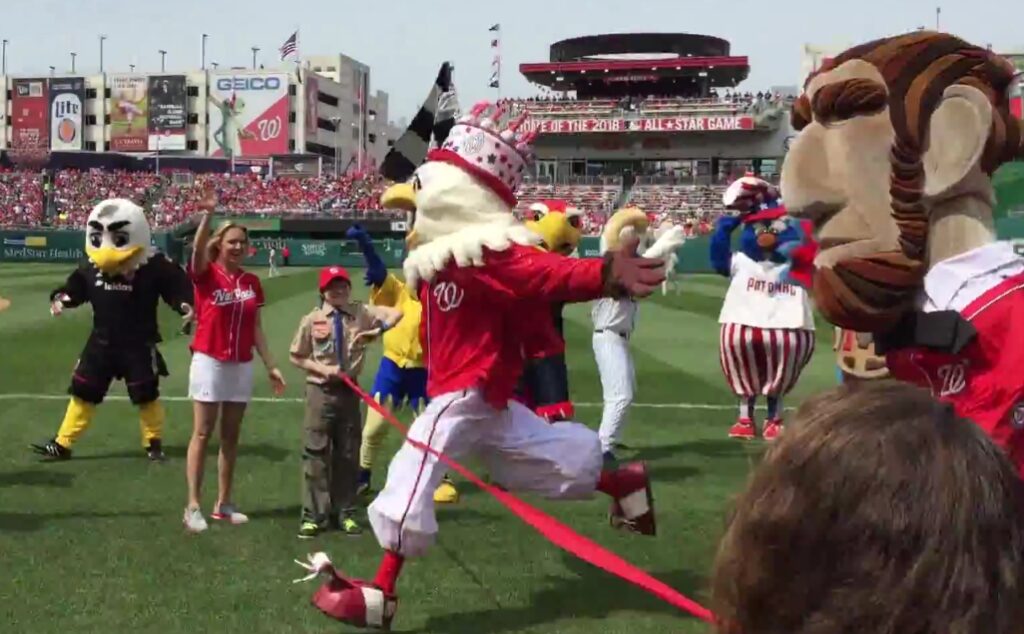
(123, 278)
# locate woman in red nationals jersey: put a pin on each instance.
(228, 301)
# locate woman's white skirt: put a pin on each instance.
(213, 381)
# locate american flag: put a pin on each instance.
(290, 45)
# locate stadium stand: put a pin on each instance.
(73, 193)
(687, 201)
(21, 198)
(725, 104)
(594, 199)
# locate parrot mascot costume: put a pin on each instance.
(123, 278)
(544, 385)
(766, 323)
(402, 375)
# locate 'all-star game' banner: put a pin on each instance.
(248, 114)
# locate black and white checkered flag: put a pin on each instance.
(434, 120)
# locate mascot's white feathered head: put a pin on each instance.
(465, 193)
(117, 237)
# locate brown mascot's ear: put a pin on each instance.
(958, 131)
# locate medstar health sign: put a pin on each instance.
(248, 114)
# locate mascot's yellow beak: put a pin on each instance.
(557, 232)
(402, 196)
(109, 260)
(399, 196)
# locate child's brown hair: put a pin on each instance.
(878, 512)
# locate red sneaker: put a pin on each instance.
(772, 429)
(743, 429)
(632, 500)
(353, 601)
(356, 602)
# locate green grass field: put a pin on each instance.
(96, 544)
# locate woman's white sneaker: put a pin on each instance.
(228, 513)
(194, 521)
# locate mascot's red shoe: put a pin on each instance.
(772, 429)
(632, 499)
(352, 601)
(743, 429)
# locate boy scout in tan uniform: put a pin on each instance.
(331, 339)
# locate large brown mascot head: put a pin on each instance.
(898, 139)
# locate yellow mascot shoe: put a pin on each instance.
(446, 493)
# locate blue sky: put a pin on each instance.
(404, 41)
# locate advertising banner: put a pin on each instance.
(30, 106)
(643, 124)
(129, 114)
(248, 114)
(167, 107)
(67, 103)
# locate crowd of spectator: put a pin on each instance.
(71, 194)
(255, 194)
(27, 198)
(21, 198)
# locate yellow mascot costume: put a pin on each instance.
(402, 375)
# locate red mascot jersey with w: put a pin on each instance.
(985, 382)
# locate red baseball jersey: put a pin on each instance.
(473, 317)
(226, 305)
(985, 382)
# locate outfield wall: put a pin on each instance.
(52, 245)
(68, 246)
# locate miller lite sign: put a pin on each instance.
(67, 103)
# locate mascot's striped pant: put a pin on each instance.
(763, 361)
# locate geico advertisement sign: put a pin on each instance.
(248, 83)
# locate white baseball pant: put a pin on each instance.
(520, 450)
(618, 383)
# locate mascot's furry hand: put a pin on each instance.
(799, 248)
(728, 223)
(376, 271)
(57, 305)
(666, 245)
(357, 233)
(624, 275)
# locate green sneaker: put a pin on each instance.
(309, 530)
(351, 527)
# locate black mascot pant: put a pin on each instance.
(102, 361)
